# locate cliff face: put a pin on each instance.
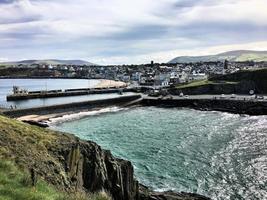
(243, 87)
(72, 164)
(236, 83)
(247, 79)
(89, 167)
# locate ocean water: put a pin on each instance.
(220, 155)
(6, 86)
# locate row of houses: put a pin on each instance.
(164, 74)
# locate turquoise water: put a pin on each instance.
(220, 155)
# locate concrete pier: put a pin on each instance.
(75, 107)
(65, 93)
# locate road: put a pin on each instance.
(206, 96)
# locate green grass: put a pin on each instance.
(194, 84)
(15, 184)
(201, 83)
(29, 142)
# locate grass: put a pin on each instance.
(22, 132)
(23, 143)
(194, 84)
(15, 184)
(201, 83)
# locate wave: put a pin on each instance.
(79, 115)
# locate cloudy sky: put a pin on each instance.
(129, 31)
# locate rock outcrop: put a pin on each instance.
(72, 164)
(90, 168)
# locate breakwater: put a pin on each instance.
(65, 93)
(249, 107)
(73, 107)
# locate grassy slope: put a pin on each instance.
(201, 83)
(15, 181)
(231, 56)
(15, 184)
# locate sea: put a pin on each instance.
(216, 154)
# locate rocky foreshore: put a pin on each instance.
(72, 164)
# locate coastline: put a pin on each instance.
(75, 165)
(51, 119)
(42, 115)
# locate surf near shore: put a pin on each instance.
(40, 115)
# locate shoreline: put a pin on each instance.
(110, 84)
(68, 161)
(42, 115)
(52, 119)
(39, 115)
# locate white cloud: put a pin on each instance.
(229, 11)
(162, 28)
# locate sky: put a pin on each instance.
(129, 31)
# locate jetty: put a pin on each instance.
(75, 106)
(40, 115)
(24, 94)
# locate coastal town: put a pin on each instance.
(152, 74)
(133, 100)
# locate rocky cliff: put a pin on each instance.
(236, 83)
(72, 164)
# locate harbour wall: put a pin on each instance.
(250, 107)
(74, 107)
(66, 93)
(225, 105)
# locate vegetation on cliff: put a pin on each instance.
(202, 83)
(16, 184)
(22, 148)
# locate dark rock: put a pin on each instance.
(146, 194)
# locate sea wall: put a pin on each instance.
(249, 107)
(72, 107)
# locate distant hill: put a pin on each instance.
(49, 62)
(240, 55)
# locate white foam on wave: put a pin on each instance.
(226, 115)
(79, 115)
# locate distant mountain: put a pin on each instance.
(49, 62)
(240, 55)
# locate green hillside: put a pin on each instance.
(235, 56)
(22, 146)
(48, 62)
